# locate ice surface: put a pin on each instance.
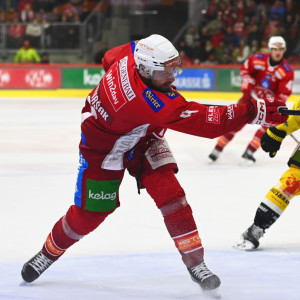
(131, 256)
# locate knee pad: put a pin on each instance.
(79, 222)
(163, 187)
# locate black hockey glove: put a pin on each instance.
(271, 140)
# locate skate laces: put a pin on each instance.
(201, 271)
(41, 263)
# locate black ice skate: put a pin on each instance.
(249, 239)
(207, 280)
(214, 155)
(248, 157)
(35, 267)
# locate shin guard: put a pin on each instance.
(170, 199)
(70, 229)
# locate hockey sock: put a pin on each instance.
(271, 208)
(255, 142)
(224, 140)
(70, 229)
(170, 198)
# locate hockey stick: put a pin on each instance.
(294, 138)
(288, 112)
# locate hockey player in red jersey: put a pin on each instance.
(266, 75)
(123, 124)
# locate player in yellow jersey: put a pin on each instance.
(280, 195)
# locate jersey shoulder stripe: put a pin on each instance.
(259, 56)
(133, 44)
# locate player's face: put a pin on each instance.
(163, 82)
(277, 54)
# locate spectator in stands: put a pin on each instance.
(250, 9)
(33, 32)
(183, 46)
(254, 47)
(209, 50)
(254, 34)
(27, 54)
(198, 52)
(16, 33)
(11, 15)
(186, 60)
(227, 14)
(277, 9)
(27, 13)
(55, 15)
(239, 26)
(221, 53)
(217, 37)
(7, 4)
(100, 54)
(22, 4)
(292, 33)
(45, 58)
(211, 60)
(264, 46)
(231, 38)
(191, 36)
(242, 52)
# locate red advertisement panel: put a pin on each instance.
(30, 78)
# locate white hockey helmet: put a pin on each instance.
(156, 58)
(276, 42)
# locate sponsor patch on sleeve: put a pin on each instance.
(154, 102)
(213, 115)
(286, 67)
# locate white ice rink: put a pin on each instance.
(131, 256)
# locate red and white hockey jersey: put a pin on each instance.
(275, 80)
(122, 111)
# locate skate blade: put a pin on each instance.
(244, 245)
(24, 283)
(246, 162)
(210, 161)
(215, 293)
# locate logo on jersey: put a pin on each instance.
(265, 84)
(230, 112)
(112, 86)
(259, 55)
(213, 115)
(188, 113)
(286, 67)
(172, 95)
(101, 195)
(96, 105)
(154, 102)
(129, 93)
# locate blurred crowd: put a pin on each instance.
(229, 32)
(232, 30)
(27, 19)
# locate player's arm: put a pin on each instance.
(213, 121)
